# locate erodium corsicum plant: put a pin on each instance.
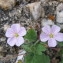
(43, 48)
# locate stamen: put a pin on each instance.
(16, 35)
(51, 35)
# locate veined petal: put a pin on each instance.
(55, 29)
(22, 31)
(52, 42)
(20, 41)
(9, 32)
(59, 36)
(44, 37)
(16, 27)
(11, 41)
(46, 29)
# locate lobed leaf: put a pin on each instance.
(31, 35)
(31, 58)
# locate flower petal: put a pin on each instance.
(46, 29)
(9, 32)
(59, 36)
(22, 31)
(11, 41)
(20, 41)
(44, 37)
(16, 27)
(55, 29)
(52, 42)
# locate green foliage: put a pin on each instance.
(40, 48)
(31, 35)
(26, 47)
(32, 58)
(61, 51)
(60, 44)
(36, 48)
(61, 61)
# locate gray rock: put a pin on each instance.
(36, 10)
(45, 22)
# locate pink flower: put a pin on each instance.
(15, 35)
(51, 34)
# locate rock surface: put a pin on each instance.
(7, 4)
(36, 10)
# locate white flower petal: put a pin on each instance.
(16, 27)
(55, 29)
(11, 41)
(22, 31)
(9, 32)
(44, 37)
(46, 29)
(20, 41)
(52, 42)
(59, 36)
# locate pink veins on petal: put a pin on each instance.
(15, 35)
(51, 34)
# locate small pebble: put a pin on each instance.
(45, 22)
(1, 48)
(59, 13)
(20, 55)
(2, 39)
(6, 26)
(7, 4)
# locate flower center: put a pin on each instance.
(51, 35)
(16, 35)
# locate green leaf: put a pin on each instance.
(41, 59)
(31, 58)
(26, 47)
(61, 51)
(36, 48)
(40, 48)
(60, 44)
(28, 58)
(31, 35)
(61, 61)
